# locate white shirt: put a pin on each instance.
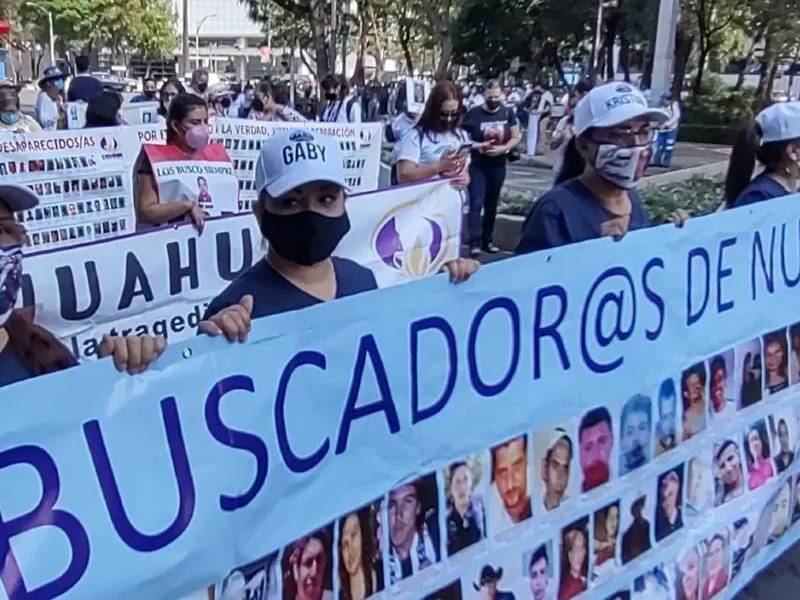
(401, 125)
(47, 112)
(336, 111)
(674, 110)
(428, 148)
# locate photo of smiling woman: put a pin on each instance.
(606, 533)
(687, 575)
(728, 472)
(776, 362)
(360, 565)
(307, 567)
(759, 465)
(574, 559)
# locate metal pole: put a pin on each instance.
(185, 37)
(597, 38)
(52, 39)
(333, 37)
(664, 55)
(197, 47)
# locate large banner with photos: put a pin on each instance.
(161, 281)
(607, 420)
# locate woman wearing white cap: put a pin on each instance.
(301, 213)
(774, 140)
(26, 349)
(596, 195)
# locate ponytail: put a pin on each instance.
(573, 164)
(742, 162)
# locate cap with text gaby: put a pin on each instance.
(294, 158)
(779, 122)
(17, 197)
(613, 104)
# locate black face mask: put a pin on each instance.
(201, 87)
(493, 104)
(257, 105)
(150, 94)
(448, 122)
(306, 237)
(225, 102)
(331, 95)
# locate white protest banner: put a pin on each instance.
(139, 113)
(161, 281)
(607, 420)
(360, 142)
(76, 114)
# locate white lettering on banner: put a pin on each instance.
(161, 282)
(601, 420)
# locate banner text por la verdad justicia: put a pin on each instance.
(221, 455)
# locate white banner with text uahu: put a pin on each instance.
(83, 179)
(360, 142)
(161, 281)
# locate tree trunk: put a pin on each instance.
(683, 50)
(405, 44)
(610, 36)
(647, 70)
(317, 22)
(445, 54)
(702, 59)
(765, 79)
(624, 57)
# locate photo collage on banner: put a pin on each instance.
(242, 139)
(611, 504)
(83, 182)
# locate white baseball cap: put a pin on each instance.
(295, 158)
(779, 122)
(17, 197)
(612, 104)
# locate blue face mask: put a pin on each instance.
(9, 118)
(59, 83)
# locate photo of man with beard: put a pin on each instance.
(693, 390)
(595, 443)
(635, 434)
(510, 501)
(666, 426)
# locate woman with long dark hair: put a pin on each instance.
(596, 193)
(357, 578)
(168, 92)
(759, 465)
(164, 195)
(772, 140)
(437, 146)
(265, 107)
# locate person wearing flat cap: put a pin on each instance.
(488, 582)
(773, 140)
(28, 350)
(595, 193)
(301, 212)
(49, 103)
(11, 117)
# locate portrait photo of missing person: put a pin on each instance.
(693, 394)
(495, 581)
(687, 574)
(259, 579)
(636, 539)
(465, 483)
(794, 354)
(595, 445)
(653, 585)
(779, 509)
(307, 567)
(360, 558)
(666, 424)
(728, 472)
(509, 498)
(699, 486)
(743, 543)
(748, 370)
(759, 459)
(635, 434)
(716, 565)
(721, 385)
(776, 362)
(783, 430)
(606, 537)
(452, 591)
(669, 505)
(553, 452)
(413, 515)
(574, 559)
(539, 566)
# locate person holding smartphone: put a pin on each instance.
(496, 126)
(437, 146)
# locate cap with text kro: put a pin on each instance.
(613, 104)
(294, 158)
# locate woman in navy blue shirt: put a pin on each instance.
(774, 140)
(301, 213)
(595, 195)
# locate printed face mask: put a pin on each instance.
(622, 166)
(306, 237)
(10, 279)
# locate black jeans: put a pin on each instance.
(486, 181)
